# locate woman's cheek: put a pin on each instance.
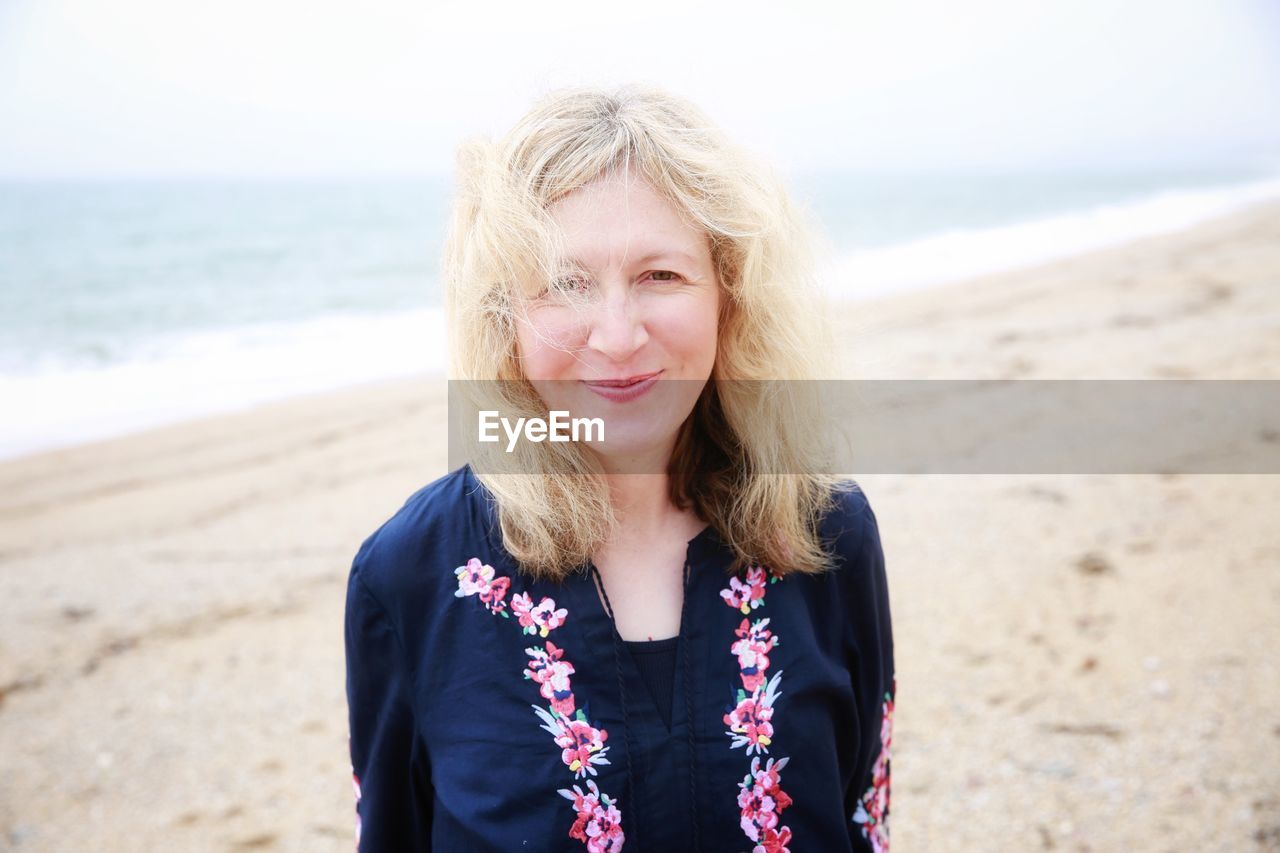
(541, 358)
(695, 329)
(550, 363)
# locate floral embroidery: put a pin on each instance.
(753, 651)
(477, 579)
(582, 743)
(355, 782)
(773, 841)
(750, 713)
(746, 596)
(599, 823)
(762, 799)
(873, 809)
(550, 670)
(540, 619)
(749, 722)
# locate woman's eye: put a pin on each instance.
(664, 275)
(570, 284)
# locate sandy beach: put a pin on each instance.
(1084, 663)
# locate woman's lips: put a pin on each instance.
(623, 390)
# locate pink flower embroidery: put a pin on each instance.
(549, 670)
(540, 619)
(582, 745)
(762, 799)
(749, 722)
(476, 578)
(599, 823)
(760, 796)
(355, 783)
(746, 596)
(773, 841)
(873, 809)
(753, 651)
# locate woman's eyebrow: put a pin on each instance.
(667, 253)
(656, 254)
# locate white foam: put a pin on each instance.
(963, 253)
(185, 376)
(215, 372)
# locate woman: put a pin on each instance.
(582, 644)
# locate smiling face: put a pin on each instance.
(637, 296)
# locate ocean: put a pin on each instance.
(131, 304)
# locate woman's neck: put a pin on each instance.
(641, 501)
(640, 491)
(645, 513)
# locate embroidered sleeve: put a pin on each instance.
(867, 798)
(389, 771)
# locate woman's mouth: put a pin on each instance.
(623, 390)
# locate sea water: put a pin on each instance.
(130, 304)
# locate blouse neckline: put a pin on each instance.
(652, 646)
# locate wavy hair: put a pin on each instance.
(748, 459)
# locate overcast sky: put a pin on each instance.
(266, 87)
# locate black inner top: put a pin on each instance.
(656, 660)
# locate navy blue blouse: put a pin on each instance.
(656, 660)
(489, 711)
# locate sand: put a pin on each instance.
(1083, 662)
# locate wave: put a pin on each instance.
(214, 372)
(962, 253)
(53, 403)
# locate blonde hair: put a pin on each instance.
(747, 428)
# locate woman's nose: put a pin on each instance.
(617, 330)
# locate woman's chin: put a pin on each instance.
(635, 458)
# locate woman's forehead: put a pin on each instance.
(625, 220)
